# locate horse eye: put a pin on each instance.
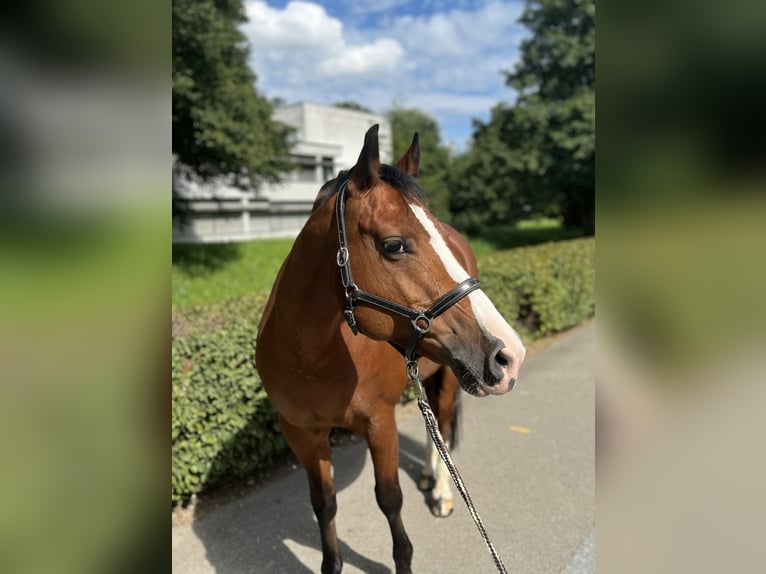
(394, 246)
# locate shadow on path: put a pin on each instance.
(541, 521)
(265, 531)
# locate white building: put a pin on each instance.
(327, 140)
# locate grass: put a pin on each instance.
(207, 273)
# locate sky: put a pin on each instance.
(442, 57)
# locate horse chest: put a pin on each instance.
(336, 397)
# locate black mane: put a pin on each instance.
(394, 177)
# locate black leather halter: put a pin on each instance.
(421, 320)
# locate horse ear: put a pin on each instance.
(365, 173)
(410, 161)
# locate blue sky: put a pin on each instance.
(442, 57)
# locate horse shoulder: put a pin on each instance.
(270, 302)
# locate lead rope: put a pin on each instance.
(433, 430)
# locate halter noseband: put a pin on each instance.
(421, 320)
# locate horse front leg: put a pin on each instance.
(383, 440)
(312, 447)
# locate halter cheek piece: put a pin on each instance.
(421, 320)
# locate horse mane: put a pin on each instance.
(396, 178)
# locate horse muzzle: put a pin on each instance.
(489, 373)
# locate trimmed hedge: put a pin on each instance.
(546, 288)
(222, 422)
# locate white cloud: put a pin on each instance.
(382, 55)
(452, 103)
(302, 44)
(460, 33)
(373, 6)
(447, 63)
(299, 25)
(455, 58)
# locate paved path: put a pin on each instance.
(535, 491)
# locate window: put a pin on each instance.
(307, 168)
(328, 169)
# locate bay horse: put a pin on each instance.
(318, 375)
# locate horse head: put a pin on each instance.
(400, 252)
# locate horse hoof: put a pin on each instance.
(442, 507)
(332, 565)
(426, 483)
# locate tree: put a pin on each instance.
(554, 116)
(221, 125)
(537, 157)
(483, 181)
(434, 158)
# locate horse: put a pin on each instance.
(401, 298)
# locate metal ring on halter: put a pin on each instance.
(416, 324)
(342, 257)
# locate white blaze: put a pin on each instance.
(489, 318)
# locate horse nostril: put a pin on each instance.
(498, 362)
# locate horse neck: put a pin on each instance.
(308, 306)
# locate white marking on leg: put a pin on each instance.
(427, 472)
(435, 469)
(442, 479)
(432, 456)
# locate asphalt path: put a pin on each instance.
(527, 458)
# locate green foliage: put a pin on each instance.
(538, 156)
(487, 240)
(206, 273)
(559, 57)
(483, 182)
(222, 423)
(221, 125)
(434, 158)
(554, 115)
(547, 288)
(351, 105)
